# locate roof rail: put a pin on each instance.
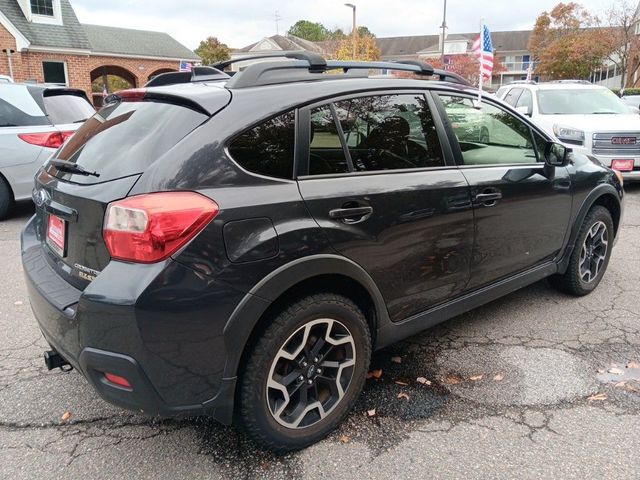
(313, 58)
(197, 74)
(580, 82)
(522, 82)
(309, 66)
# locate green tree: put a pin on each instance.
(212, 50)
(312, 31)
(365, 32)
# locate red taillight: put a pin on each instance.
(132, 95)
(46, 139)
(152, 227)
(117, 380)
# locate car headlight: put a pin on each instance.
(569, 135)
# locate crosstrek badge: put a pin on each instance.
(55, 234)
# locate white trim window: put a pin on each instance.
(55, 72)
(45, 11)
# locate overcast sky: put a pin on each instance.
(241, 22)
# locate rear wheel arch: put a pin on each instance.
(320, 273)
(7, 197)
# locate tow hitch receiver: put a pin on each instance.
(54, 360)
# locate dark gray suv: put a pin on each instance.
(237, 247)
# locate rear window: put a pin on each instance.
(19, 109)
(125, 138)
(65, 108)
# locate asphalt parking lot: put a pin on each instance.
(535, 385)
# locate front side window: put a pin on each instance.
(42, 7)
(488, 135)
(268, 148)
(54, 72)
(386, 132)
(512, 96)
(526, 100)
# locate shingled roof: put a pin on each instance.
(288, 43)
(69, 35)
(126, 41)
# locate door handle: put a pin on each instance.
(488, 198)
(350, 213)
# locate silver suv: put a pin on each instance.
(35, 120)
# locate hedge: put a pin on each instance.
(627, 91)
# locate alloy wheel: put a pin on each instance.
(310, 373)
(594, 252)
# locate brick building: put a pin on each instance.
(43, 41)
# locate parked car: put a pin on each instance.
(237, 247)
(632, 101)
(34, 121)
(5, 79)
(588, 118)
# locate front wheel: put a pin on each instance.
(590, 256)
(305, 372)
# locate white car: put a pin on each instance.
(588, 118)
(35, 120)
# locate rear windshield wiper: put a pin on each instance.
(71, 167)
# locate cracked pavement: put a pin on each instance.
(519, 387)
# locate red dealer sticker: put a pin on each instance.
(55, 234)
(622, 165)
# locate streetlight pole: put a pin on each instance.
(444, 30)
(354, 30)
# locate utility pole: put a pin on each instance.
(277, 18)
(9, 52)
(354, 29)
(444, 31)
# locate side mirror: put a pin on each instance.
(556, 155)
(524, 110)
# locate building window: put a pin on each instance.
(42, 7)
(55, 72)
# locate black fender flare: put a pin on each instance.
(246, 315)
(587, 203)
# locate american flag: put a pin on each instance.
(483, 48)
(185, 66)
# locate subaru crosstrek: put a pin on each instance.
(237, 247)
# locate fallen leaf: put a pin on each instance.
(616, 371)
(345, 439)
(18, 303)
(475, 378)
(401, 383)
(66, 416)
(597, 397)
(371, 413)
(375, 373)
(403, 395)
(452, 379)
(423, 381)
(633, 364)
(620, 384)
(396, 359)
(498, 378)
(631, 388)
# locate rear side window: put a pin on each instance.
(19, 109)
(268, 148)
(63, 109)
(124, 138)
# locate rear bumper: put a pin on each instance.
(170, 356)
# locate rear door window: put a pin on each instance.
(124, 138)
(383, 132)
(19, 109)
(66, 108)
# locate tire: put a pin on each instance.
(261, 412)
(575, 280)
(6, 198)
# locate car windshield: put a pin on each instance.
(579, 102)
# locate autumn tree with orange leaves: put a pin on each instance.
(568, 43)
(622, 39)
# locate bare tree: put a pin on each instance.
(621, 19)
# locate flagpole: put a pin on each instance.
(481, 59)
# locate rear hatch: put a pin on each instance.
(98, 165)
